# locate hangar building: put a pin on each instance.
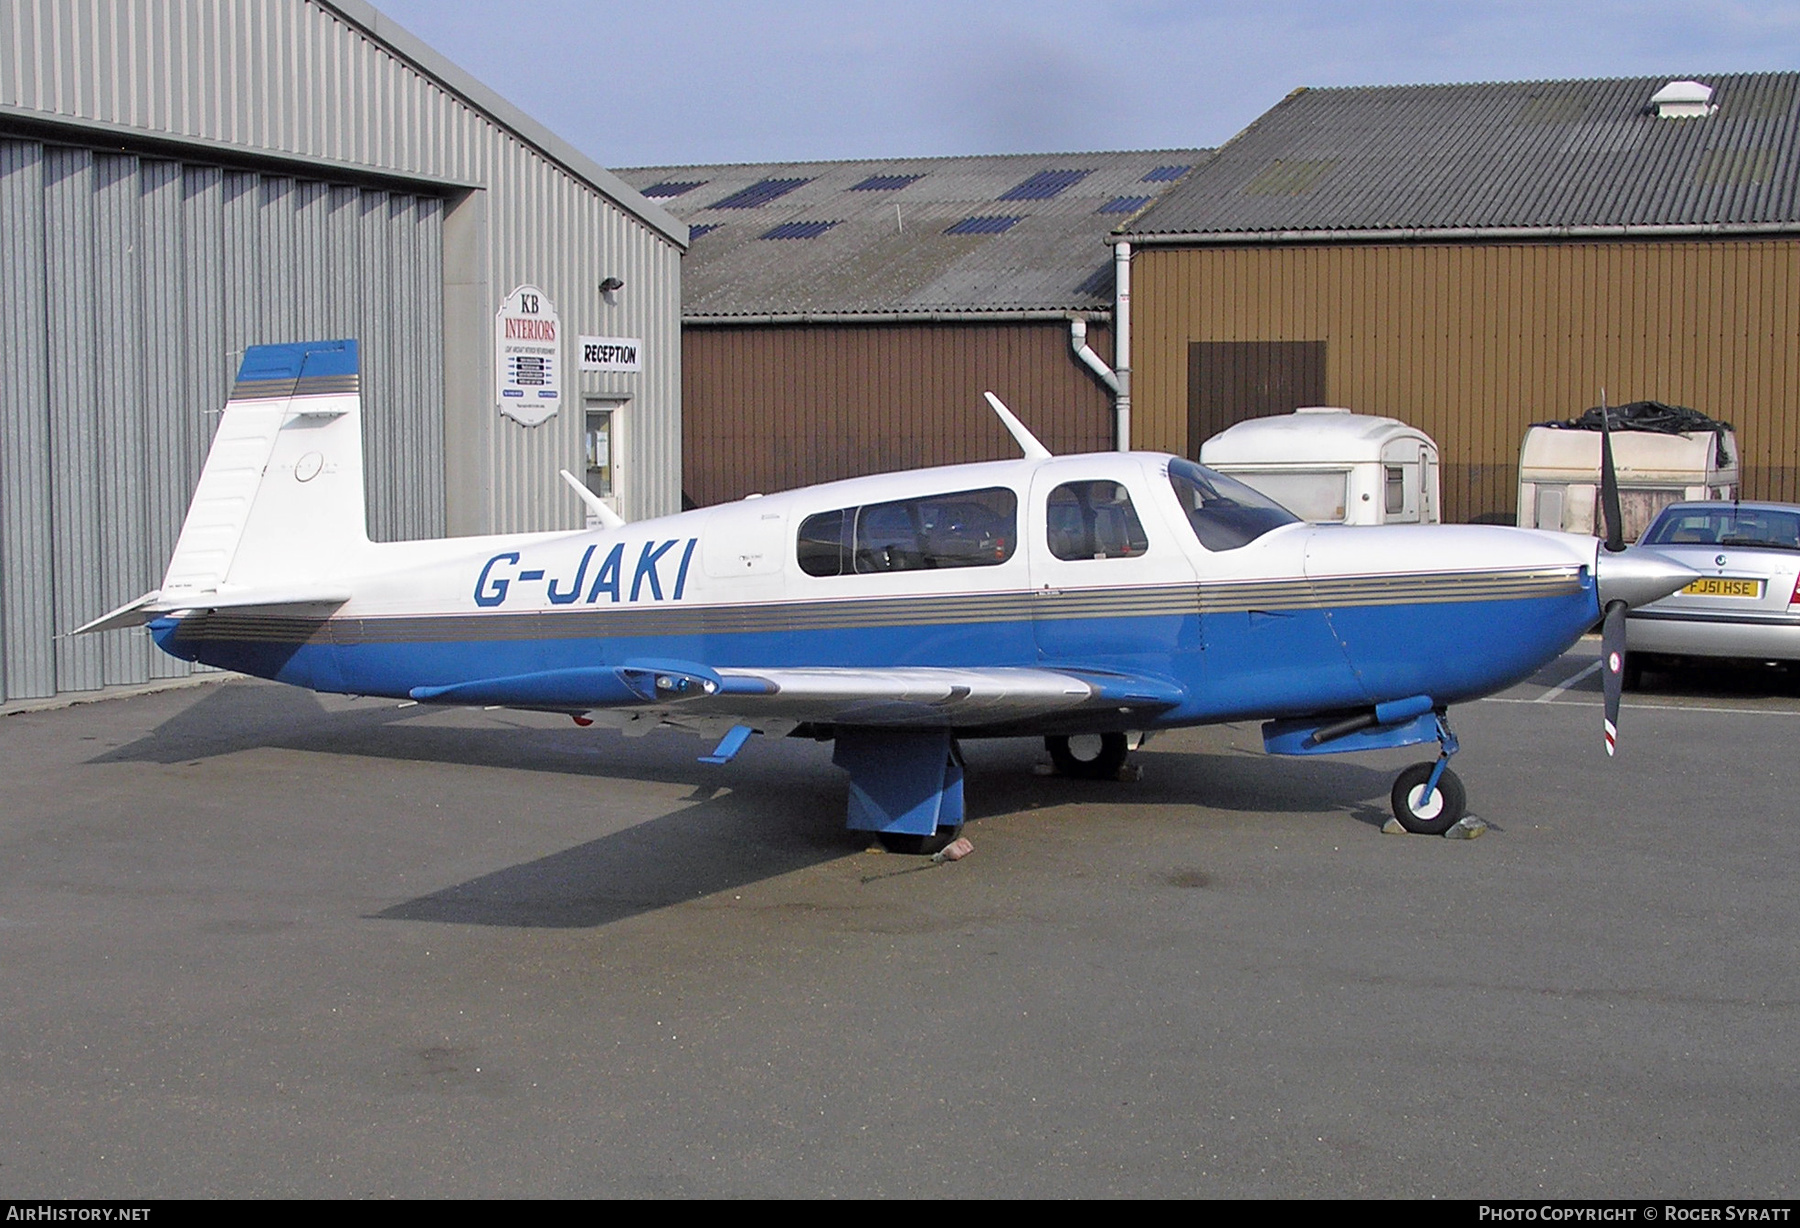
(180, 180)
(843, 318)
(1475, 258)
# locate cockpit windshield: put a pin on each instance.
(1225, 513)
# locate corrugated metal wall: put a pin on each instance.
(317, 82)
(130, 279)
(132, 286)
(771, 408)
(1474, 342)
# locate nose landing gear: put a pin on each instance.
(1429, 798)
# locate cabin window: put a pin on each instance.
(1224, 514)
(1396, 489)
(971, 528)
(1093, 520)
(821, 546)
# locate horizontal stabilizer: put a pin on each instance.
(238, 599)
(158, 603)
(131, 614)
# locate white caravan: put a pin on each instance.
(1559, 475)
(1330, 466)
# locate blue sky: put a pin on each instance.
(699, 81)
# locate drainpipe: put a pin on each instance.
(1117, 377)
(1083, 351)
(1122, 345)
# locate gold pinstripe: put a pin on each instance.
(286, 386)
(1272, 596)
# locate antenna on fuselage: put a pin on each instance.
(595, 504)
(1028, 443)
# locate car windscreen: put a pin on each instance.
(1726, 524)
(1225, 514)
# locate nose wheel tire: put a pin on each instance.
(1433, 817)
(1088, 756)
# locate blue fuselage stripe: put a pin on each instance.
(1234, 665)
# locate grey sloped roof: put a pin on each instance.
(887, 251)
(1555, 155)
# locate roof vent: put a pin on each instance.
(1683, 100)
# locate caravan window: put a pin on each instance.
(1319, 495)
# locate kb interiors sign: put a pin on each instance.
(528, 357)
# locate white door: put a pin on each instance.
(604, 429)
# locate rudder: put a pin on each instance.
(280, 500)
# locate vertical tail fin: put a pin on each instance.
(280, 501)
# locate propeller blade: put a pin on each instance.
(1609, 483)
(1612, 667)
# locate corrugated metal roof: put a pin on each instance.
(890, 251)
(1525, 155)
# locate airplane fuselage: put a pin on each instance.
(1092, 562)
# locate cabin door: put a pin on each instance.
(1111, 583)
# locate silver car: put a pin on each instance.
(1746, 603)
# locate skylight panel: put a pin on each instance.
(984, 225)
(1045, 184)
(1165, 174)
(671, 187)
(1124, 204)
(1099, 283)
(885, 183)
(759, 194)
(694, 232)
(797, 230)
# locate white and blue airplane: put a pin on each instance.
(1089, 600)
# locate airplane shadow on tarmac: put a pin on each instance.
(776, 809)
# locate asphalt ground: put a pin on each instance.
(257, 942)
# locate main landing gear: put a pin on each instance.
(1089, 756)
(1429, 798)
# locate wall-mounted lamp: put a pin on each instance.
(610, 287)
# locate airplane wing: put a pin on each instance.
(903, 697)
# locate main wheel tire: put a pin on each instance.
(1441, 813)
(918, 846)
(1089, 756)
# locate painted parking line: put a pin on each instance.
(1549, 697)
(1595, 703)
